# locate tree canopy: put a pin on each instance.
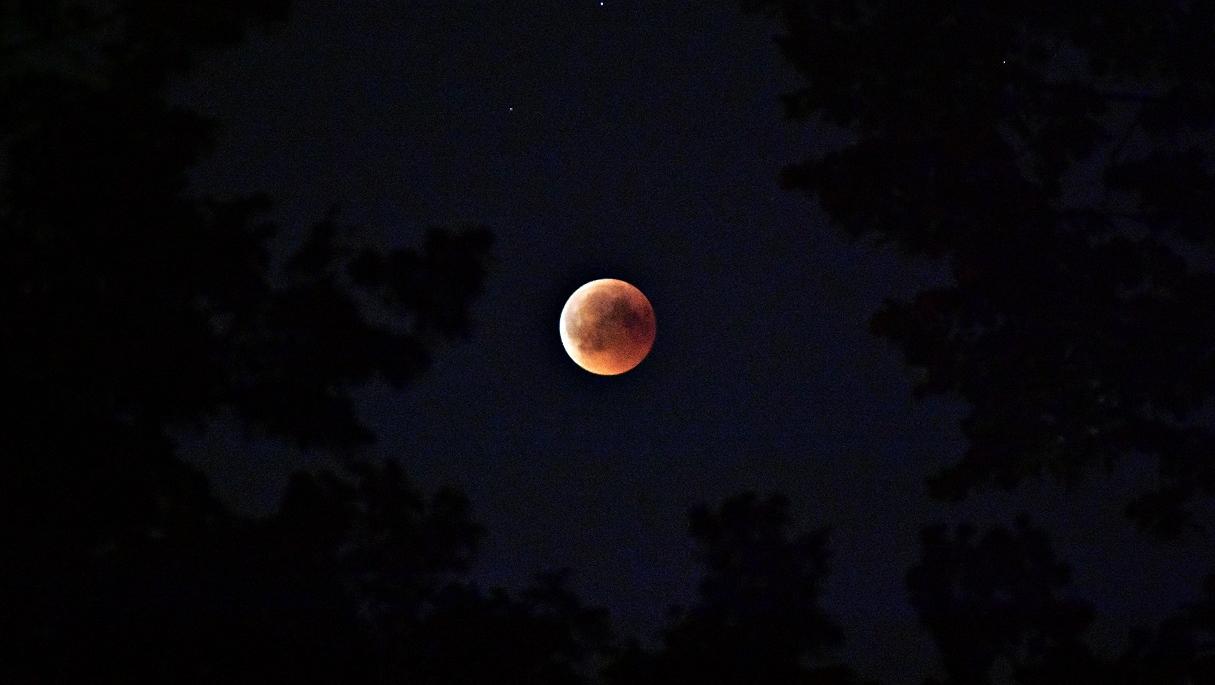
(1059, 157)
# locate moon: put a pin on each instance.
(607, 326)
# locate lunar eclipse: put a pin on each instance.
(607, 326)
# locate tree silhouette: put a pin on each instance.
(354, 579)
(1059, 157)
(132, 306)
(996, 599)
(546, 636)
(758, 618)
(1077, 326)
(1181, 650)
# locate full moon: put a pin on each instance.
(607, 326)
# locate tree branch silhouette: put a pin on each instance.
(1077, 328)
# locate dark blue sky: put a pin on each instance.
(640, 141)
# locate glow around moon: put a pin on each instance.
(607, 326)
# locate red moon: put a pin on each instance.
(607, 326)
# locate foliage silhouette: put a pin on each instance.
(996, 599)
(1058, 156)
(758, 617)
(1181, 650)
(352, 580)
(132, 307)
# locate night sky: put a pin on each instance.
(640, 141)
